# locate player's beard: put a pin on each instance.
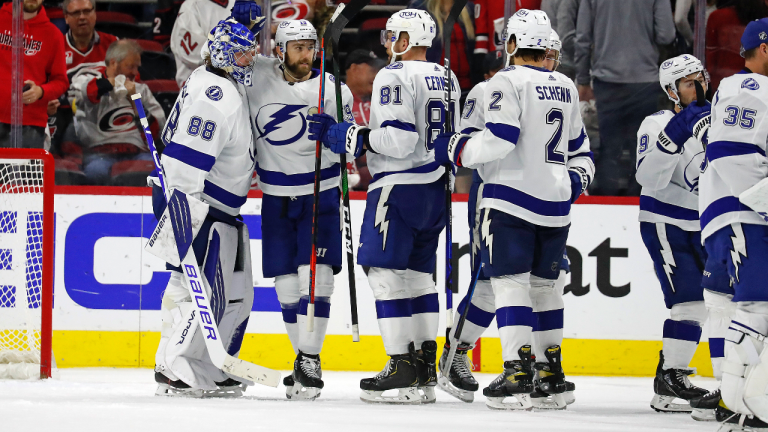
(298, 69)
(32, 6)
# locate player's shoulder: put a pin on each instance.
(396, 72)
(218, 92)
(562, 78)
(657, 120)
(478, 90)
(744, 86)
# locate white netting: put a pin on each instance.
(21, 267)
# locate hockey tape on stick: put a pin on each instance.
(193, 280)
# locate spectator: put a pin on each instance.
(165, 16)
(488, 35)
(190, 31)
(44, 72)
(724, 30)
(361, 68)
(106, 124)
(683, 24)
(462, 38)
(563, 14)
(617, 52)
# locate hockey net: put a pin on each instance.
(26, 263)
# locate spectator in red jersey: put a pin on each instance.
(724, 29)
(44, 72)
(106, 122)
(489, 24)
(462, 38)
(361, 68)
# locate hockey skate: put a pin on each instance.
(229, 388)
(671, 384)
(550, 386)
(516, 381)
(734, 422)
(427, 371)
(178, 388)
(704, 406)
(306, 381)
(458, 382)
(399, 374)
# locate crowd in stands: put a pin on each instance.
(83, 60)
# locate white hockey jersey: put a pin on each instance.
(407, 114)
(533, 135)
(190, 32)
(278, 109)
(473, 117)
(670, 182)
(208, 144)
(736, 152)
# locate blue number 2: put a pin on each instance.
(555, 116)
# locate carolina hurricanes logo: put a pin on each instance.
(289, 10)
(281, 124)
(120, 119)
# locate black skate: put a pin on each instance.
(458, 382)
(399, 374)
(550, 386)
(229, 388)
(307, 378)
(704, 406)
(516, 381)
(671, 384)
(568, 395)
(734, 422)
(169, 387)
(427, 371)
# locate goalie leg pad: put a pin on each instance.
(393, 308)
(425, 307)
(744, 343)
(177, 228)
(312, 342)
(514, 313)
(481, 312)
(239, 296)
(289, 295)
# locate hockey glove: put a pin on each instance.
(248, 13)
(338, 137)
(319, 125)
(448, 148)
(693, 121)
(579, 182)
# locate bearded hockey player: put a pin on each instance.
(405, 207)
(208, 156)
(288, 89)
(548, 304)
(533, 127)
(733, 226)
(669, 225)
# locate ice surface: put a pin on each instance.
(113, 400)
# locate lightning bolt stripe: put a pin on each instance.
(487, 236)
(739, 249)
(381, 214)
(666, 253)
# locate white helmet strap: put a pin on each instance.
(394, 53)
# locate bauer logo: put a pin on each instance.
(280, 124)
(750, 84)
(214, 93)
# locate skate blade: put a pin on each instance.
(463, 395)
(231, 392)
(405, 396)
(300, 393)
(703, 414)
(522, 403)
(569, 397)
(168, 391)
(427, 394)
(665, 404)
(551, 402)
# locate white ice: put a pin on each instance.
(114, 400)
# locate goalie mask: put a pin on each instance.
(231, 48)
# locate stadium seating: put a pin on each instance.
(165, 91)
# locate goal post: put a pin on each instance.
(26, 263)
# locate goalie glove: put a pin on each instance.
(693, 121)
(248, 13)
(579, 182)
(448, 148)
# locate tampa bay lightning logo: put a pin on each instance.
(693, 170)
(396, 65)
(214, 93)
(281, 124)
(750, 84)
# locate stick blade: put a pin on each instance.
(251, 372)
(701, 97)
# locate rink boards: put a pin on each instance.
(107, 291)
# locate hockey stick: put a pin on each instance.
(701, 100)
(458, 6)
(316, 200)
(344, 13)
(445, 371)
(194, 282)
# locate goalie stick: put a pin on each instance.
(194, 282)
(344, 13)
(458, 6)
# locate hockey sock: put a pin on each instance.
(481, 313)
(720, 308)
(548, 305)
(393, 308)
(425, 306)
(680, 341)
(514, 313)
(312, 342)
(288, 294)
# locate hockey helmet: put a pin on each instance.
(531, 28)
(417, 23)
(293, 30)
(553, 53)
(228, 43)
(672, 70)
